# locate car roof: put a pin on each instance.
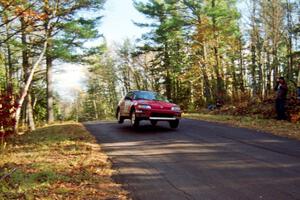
(134, 91)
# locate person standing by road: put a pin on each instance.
(282, 89)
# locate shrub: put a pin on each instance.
(8, 107)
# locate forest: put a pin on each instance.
(195, 52)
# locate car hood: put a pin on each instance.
(157, 104)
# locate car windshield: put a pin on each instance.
(149, 96)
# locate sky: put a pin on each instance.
(117, 25)
(118, 19)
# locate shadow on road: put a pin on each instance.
(144, 129)
(200, 160)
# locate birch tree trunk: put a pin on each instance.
(25, 89)
(26, 70)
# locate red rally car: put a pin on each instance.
(147, 105)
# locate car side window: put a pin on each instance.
(132, 95)
(129, 95)
(135, 96)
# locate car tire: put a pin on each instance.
(153, 122)
(134, 120)
(174, 124)
(119, 117)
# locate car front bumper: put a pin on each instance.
(158, 115)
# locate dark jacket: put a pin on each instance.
(282, 90)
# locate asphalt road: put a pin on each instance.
(200, 160)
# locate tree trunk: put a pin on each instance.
(26, 70)
(298, 80)
(49, 64)
(218, 71)
(298, 83)
(242, 69)
(235, 95)
(260, 73)
(25, 89)
(269, 72)
(95, 108)
(206, 83)
(29, 113)
(220, 81)
(290, 40)
(168, 84)
(9, 60)
(254, 40)
(50, 99)
(275, 67)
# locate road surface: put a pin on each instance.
(200, 160)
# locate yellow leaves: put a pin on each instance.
(22, 10)
(61, 162)
(204, 30)
(30, 15)
(5, 3)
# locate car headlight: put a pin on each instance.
(175, 108)
(144, 106)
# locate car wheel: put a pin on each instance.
(153, 122)
(119, 117)
(134, 120)
(174, 124)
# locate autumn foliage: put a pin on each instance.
(262, 108)
(8, 107)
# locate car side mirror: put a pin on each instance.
(128, 98)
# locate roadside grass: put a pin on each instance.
(56, 162)
(280, 128)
